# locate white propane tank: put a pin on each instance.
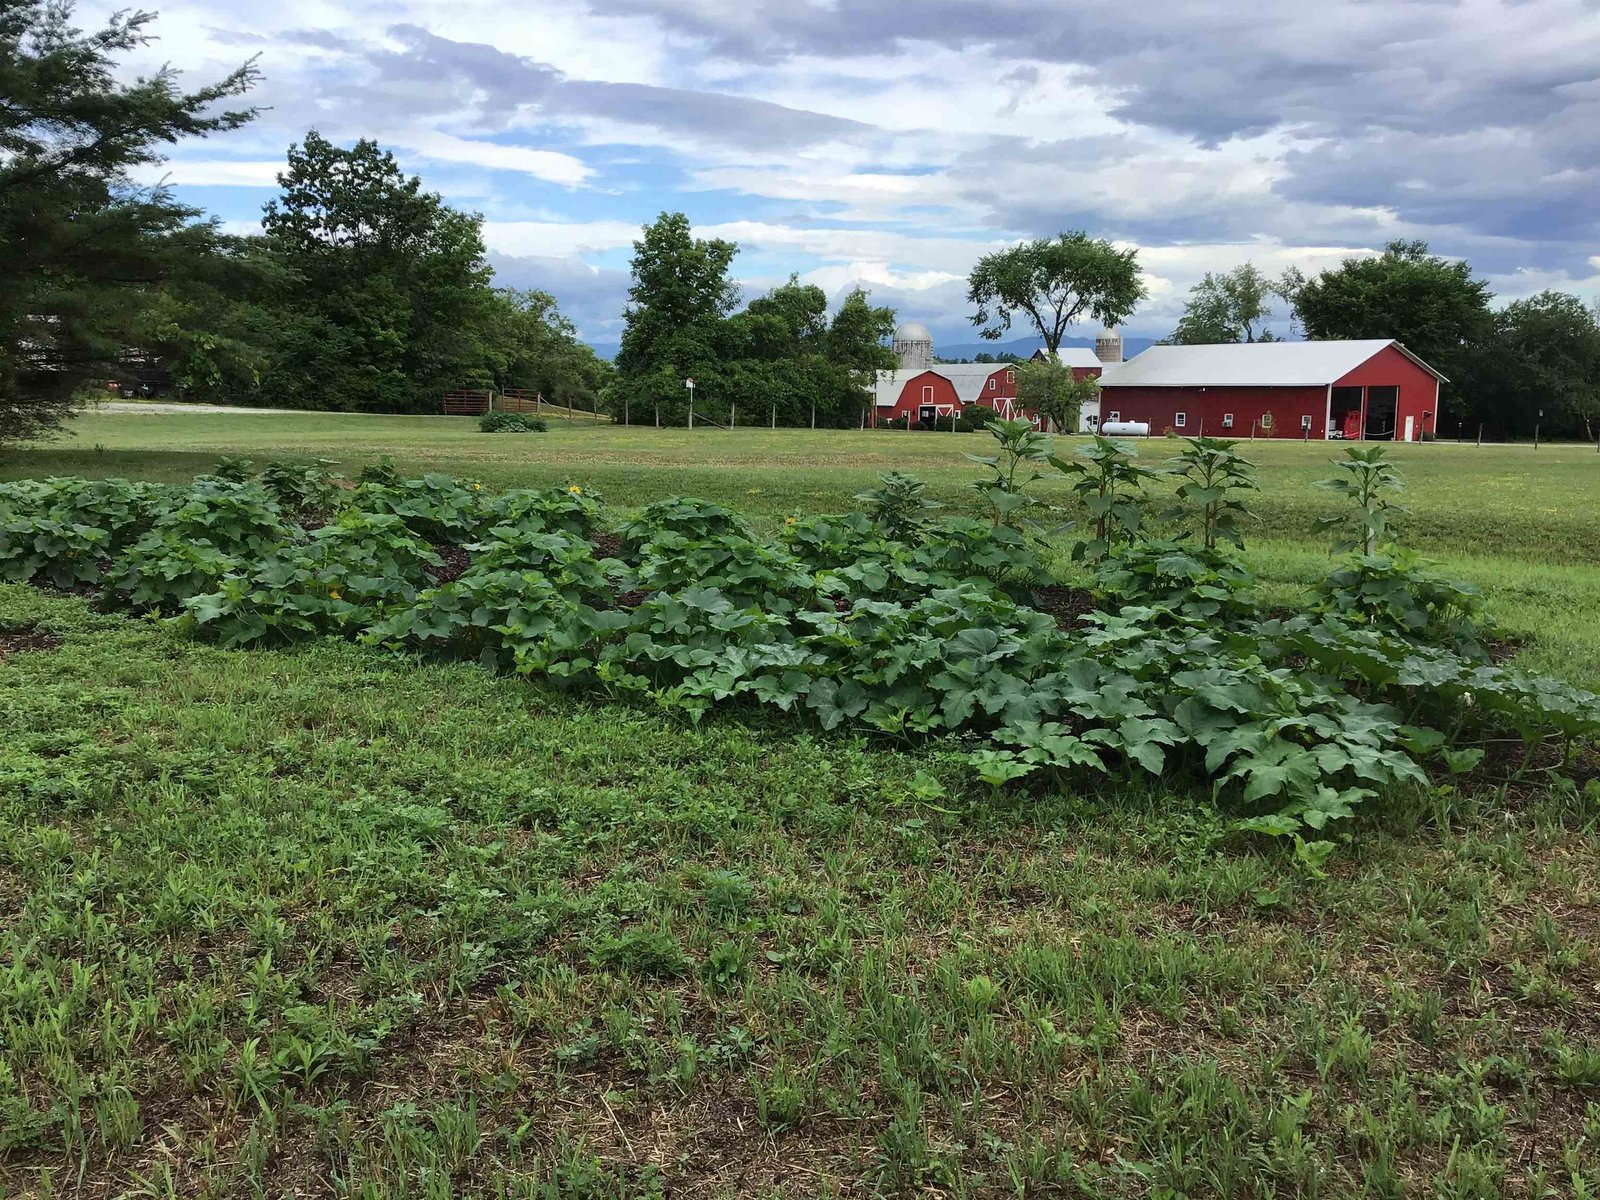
(1125, 428)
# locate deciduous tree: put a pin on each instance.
(1229, 307)
(1052, 283)
(680, 295)
(1046, 386)
(1433, 305)
(1544, 356)
(392, 290)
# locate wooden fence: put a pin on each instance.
(471, 402)
(467, 402)
(520, 400)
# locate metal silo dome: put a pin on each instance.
(913, 345)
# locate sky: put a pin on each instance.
(891, 144)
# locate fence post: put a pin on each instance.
(624, 409)
(1480, 435)
(814, 416)
(774, 416)
(733, 415)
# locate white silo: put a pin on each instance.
(1108, 346)
(913, 346)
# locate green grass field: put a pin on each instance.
(1532, 506)
(331, 922)
(1522, 524)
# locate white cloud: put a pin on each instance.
(211, 173)
(446, 148)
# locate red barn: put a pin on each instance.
(1375, 389)
(943, 388)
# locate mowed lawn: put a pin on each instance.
(1501, 501)
(1522, 524)
(329, 921)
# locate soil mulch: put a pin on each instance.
(456, 562)
(17, 641)
(631, 599)
(1503, 649)
(1066, 604)
(606, 545)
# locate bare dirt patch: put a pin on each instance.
(20, 641)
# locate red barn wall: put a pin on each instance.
(1079, 374)
(911, 398)
(1000, 386)
(1419, 390)
(1161, 405)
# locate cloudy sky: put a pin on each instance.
(893, 143)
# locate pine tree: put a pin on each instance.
(86, 246)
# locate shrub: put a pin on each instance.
(899, 506)
(299, 487)
(677, 514)
(1397, 591)
(497, 421)
(436, 507)
(1190, 579)
(571, 509)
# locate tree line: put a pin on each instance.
(782, 359)
(363, 292)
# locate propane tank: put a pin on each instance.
(1126, 428)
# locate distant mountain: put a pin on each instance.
(1024, 347)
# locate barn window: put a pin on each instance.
(991, 385)
(1305, 421)
(1266, 420)
(1180, 420)
(1227, 420)
(1114, 415)
(927, 392)
(1010, 377)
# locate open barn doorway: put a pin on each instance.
(1344, 419)
(1382, 405)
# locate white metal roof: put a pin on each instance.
(1078, 357)
(1249, 364)
(968, 379)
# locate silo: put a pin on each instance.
(1108, 346)
(913, 346)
